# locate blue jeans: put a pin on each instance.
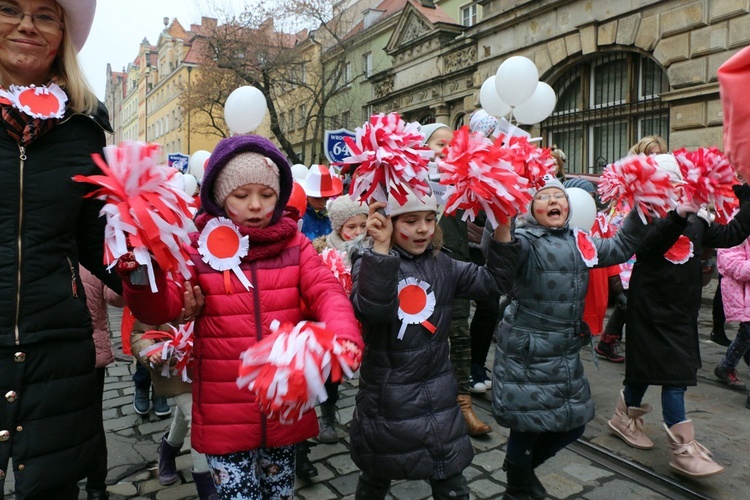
(672, 401)
(537, 447)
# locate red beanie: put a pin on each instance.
(734, 81)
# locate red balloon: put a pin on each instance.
(298, 199)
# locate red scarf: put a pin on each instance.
(264, 243)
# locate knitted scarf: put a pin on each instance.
(264, 243)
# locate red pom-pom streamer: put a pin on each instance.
(338, 263)
(144, 211)
(287, 370)
(708, 178)
(637, 180)
(480, 178)
(175, 349)
(529, 161)
(389, 154)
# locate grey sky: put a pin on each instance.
(120, 25)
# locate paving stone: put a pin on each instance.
(343, 464)
(484, 488)
(471, 473)
(345, 485)
(411, 490)
(587, 473)
(316, 492)
(123, 489)
(490, 460)
(562, 487)
(621, 490)
(119, 423)
(177, 492)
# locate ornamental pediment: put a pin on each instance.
(416, 33)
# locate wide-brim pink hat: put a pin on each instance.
(79, 16)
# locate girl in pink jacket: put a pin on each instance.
(734, 268)
(265, 274)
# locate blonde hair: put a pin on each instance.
(647, 144)
(66, 72)
(559, 156)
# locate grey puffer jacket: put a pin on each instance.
(407, 423)
(538, 380)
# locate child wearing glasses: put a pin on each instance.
(539, 389)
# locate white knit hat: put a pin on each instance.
(412, 204)
(481, 121)
(342, 209)
(245, 168)
(430, 129)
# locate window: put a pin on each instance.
(302, 115)
(367, 64)
(302, 73)
(347, 73)
(469, 15)
(345, 119)
(366, 113)
(604, 106)
(291, 121)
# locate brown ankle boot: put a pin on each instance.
(689, 457)
(475, 426)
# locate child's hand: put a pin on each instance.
(192, 303)
(379, 228)
(155, 360)
(503, 231)
(684, 209)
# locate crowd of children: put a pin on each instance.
(413, 414)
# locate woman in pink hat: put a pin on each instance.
(320, 185)
(50, 426)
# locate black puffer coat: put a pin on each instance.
(663, 302)
(46, 346)
(407, 423)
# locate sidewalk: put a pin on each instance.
(719, 414)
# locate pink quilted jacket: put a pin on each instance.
(97, 298)
(734, 266)
(227, 419)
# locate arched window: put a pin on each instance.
(604, 106)
(460, 120)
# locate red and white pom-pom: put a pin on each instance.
(681, 252)
(709, 178)
(145, 211)
(337, 262)
(287, 370)
(603, 227)
(586, 247)
(637, 180)
(175, 348)
(389, 154)
(529, 161)
(479, 179)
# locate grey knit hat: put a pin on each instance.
(550, 181)
(246, 168)
(343, 208)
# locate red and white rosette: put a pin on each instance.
(287, 370)
(222, 247)
(416, 303)
(389, 155)
(338, 264)
(586, 247)
(681, 252)
(43, 102)
(709, 178)
(529, 161)
(145, 211)
(175, 348)
(479, 178)
(637, 180)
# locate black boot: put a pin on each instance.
(303, 467)
(720, 337)
(327, 424)
(96, 494)
(204, 483)
(519, 481)
(537, 489)
(167, 467)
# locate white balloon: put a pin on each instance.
(537, 107)
(245, 109)
(197, 164)
(582, 208)
(516, 80)
(191, 184)
(490, 101)
(299, 171)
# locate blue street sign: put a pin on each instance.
(335, 147)
(178, 161)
